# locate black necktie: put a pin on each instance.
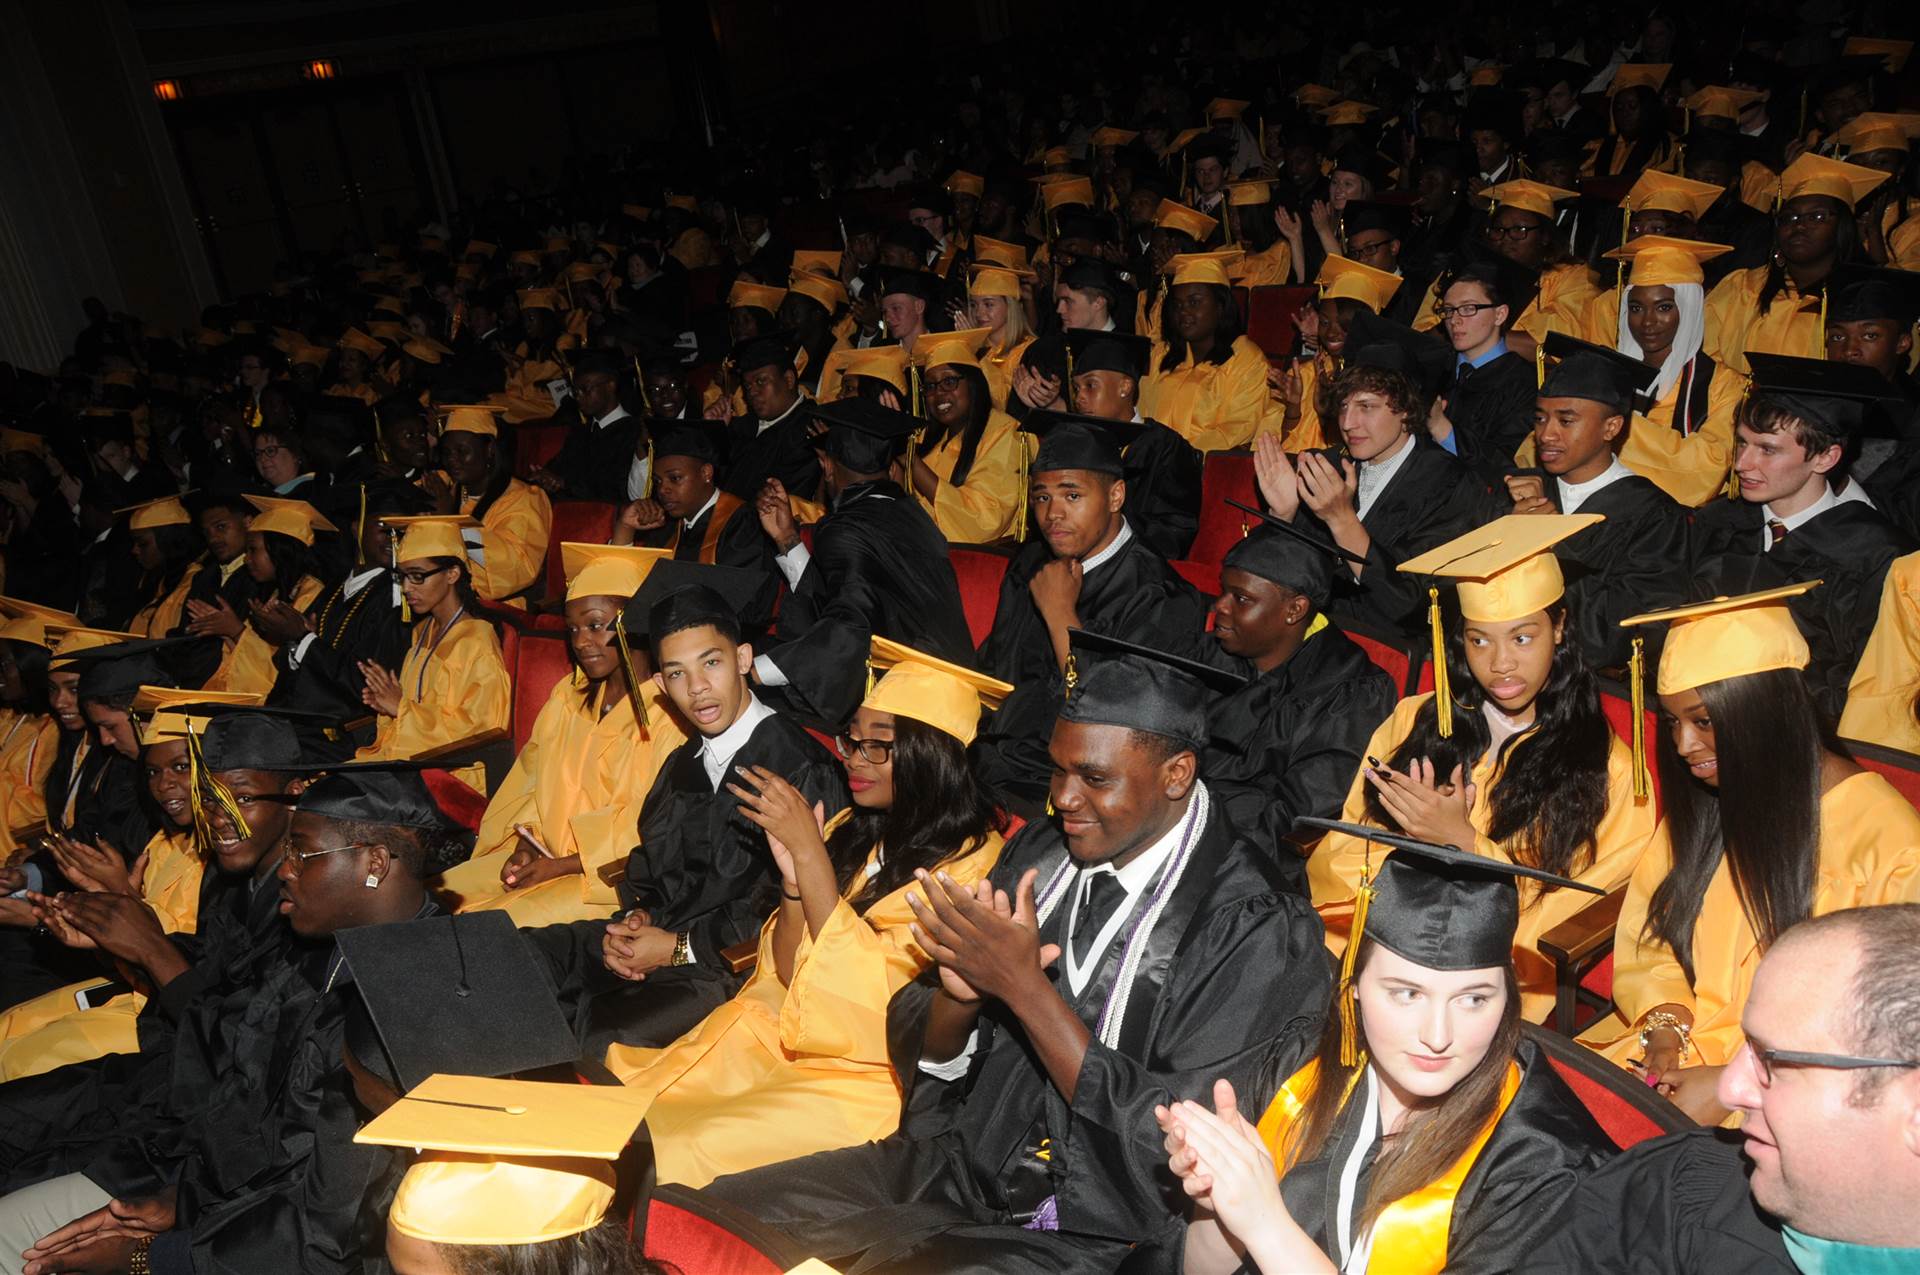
(1460, 373)
(1102, 894)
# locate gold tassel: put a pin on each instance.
(913, 390)
(1442, 692)
(1068, 386)
(868, 693)
(651, 484)
(1637, 673)
(640, 382)
(1343, 992)
(1539, 364)
(640, 716)
(1026, 497)
(1073, 675)
(1626, 232)
(1820, 333)
(393, 561)
(360, 530)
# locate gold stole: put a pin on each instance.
(1410, 1237)
(723, 510)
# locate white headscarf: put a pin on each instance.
(1691, 298)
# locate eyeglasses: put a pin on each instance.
(1765, 1060)
(1813, 217)
(1497, 233)
(418, 578)
(1466, 311)
(1357, 250)
(297, 859)
(876, 752)
(946, 384)
(271, 449)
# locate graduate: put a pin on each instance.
(996, 301)
(508, 547)
(281, 560)
(597, 462)
(1637, 557)
(29, 730)
(1662, 207)
(1209, 383)
(1766, 824)
(1521, 227)
(1871, 323)
(1637, 139)
(798, 1061)
(771, 439)
(168, 550)
(570, 805)
(968, 469)
(1162, 470)
(878, 567)
(1287, 743)
(1423, 1132)
(1885, 687)
(1798, 515)
(452, 685)
(1116, 957)
(1087, 568)
(222, 519)
(1482, 414)
(1511, 755)
(1302, 410)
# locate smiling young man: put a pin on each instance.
(1119, 951)
(693, 519)
(1798, 517)
(1084, 568)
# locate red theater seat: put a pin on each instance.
(1393, 659)
(979, 574)
(1902, 770)
(1204, 576)
(1226, 475)
(1617, 702)
(687, 1232)
(537, 662)
(535, 444)
(1270, 312)
(1617, 1099)
(707, 287)
(587, 521)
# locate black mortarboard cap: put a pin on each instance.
(392, 497)
(761, 351)
(1209, 146)
(107, 427)
(1860, 293)
(1091, 227)
(1360, 215)
(700, 440)
(1422, 357)
(1440, 907)
(1364, 160)
(1586, 370)
(1518, 284)
(1291, 558)
(1118, 683)
(124, 667)
(912, 283)
(1072, 441)
(1547, 146)
(1835, 397)
(1089, 274)
(678, 594)
(1496, 110)
(1095, 350)
(376, 792)
(457, 994)
(245, 737)
(863, 434)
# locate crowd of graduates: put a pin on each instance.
(1102, 924)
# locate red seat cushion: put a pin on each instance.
(538, 662)
(979, 575)
(1619, 711)
(1622, 1122)
(1227, 474)
(1394, 661)
(1902, 777)
(536, 444)
(1204, 576)
(1270, 312)
(582, 521)
(686, 1241)
(457, 799)
(1599, 979)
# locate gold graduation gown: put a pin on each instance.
(1885, 683)
(1561, 304)
(160, 617)
(1272, 267)
(1869, 855)
(51, 1030)
(1792, 324)
(579, 784)
(1215, 407)
(1333, 871)
(450, 691)
(366, 393)
(525, 397)
(514, 535)
(998, 368)
(984, 507)
(248, 663)
(28, 743)
(1306, 434)
(781, 1071)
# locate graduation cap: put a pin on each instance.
(995, 281)
(149, 515)
(1720, 101)
(762, 351)
(1291, 558)
(678, 594)
(1096, 350)
(1817, 175)
(295, 518)
(1089, 274)
(1660, 260)
(953, 349)
(1860, 293)
(1424, 358)
(429, 535)
(1012, 256)
(1537, 198)
(881, 362)
(169, 712)
(505, 1162)
(1107, 135)
(1111, 682)
(863, 434)
(68, 641)
(1834, 397)
(614, 571)
(1363, 215)
(824, 291)
(697, 440)
(1341, 277)
(1209, 268)
(1068, 192)
(471, 418)
(1071, 441)
(1891, 55)
(1347, 114)
(1668, 193)
(1209, 146)
(454, 991)
(1190, 222)
(1639, 75)
(745, 295)
(1728, 637)
(1878, 131)
(122, 668)
(930, 690)
(911, 283)
(1582, 369)
(1364, 160)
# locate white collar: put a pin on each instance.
(1573, 495)
(1134, 879)
(1794, 522)
(1853, 491)
(619, 413)
(764, 426)
(712, 500)
(1119, 542)
(1376, 474)
(717, 751)
(359, 580)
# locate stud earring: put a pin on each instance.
(373, 881)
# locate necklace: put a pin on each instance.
(346, 621)
(420, 683)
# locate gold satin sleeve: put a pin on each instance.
(514, 535)
(465, 692)
(984, 507)
(1886, 682)
(248, 663)
(25, 760)
(1214, 407)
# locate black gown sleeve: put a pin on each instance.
(827, 624)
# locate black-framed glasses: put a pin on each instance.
(271, 449)
(945, 384)
(417, 578)
(1358, 250)
(1765, 1060)
(1497, 233)
(1466, 311)
(299, 858)
(876, 752)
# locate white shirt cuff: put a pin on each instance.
(955, 1067)
(476, 546)
(299, 651)
(768, 672)
(793, 563)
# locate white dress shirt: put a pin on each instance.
(1134, 879)
(1574, 495)
(717, 753)
(1795, 521)
(352, 586)
(1376, 474)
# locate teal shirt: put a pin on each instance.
(1815, 1256)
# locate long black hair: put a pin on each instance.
(1846, 247)
(462, 587)
(502, 474)
(291, 561)
(180, 547)
(1225, 332)
(31, 659)
(1764, 818)
(1552, 788)
(939, 810)
(980, 400)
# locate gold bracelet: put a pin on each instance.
(138, 1263)
(683, 950)
(1660, 1018)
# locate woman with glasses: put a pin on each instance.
(969, 469)
(570, 805)
(1767, 823)
(1522, 228)
(1780, 308)
(797, 1061)
(453, 685)
(284, 567)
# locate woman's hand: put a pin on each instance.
(216, 619)
(1230, 1169)
(382, 691)
(435, 484)
(793, 828)
(278, 622)
(1279, 484)
(1288, 224)
(1425, 808)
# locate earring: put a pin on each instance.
(373, 881)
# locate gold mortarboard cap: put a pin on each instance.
(1249, 194)
(470, 418)
(1639, 75)
(1817, 175)
(685, 203)
(355, 339)
(294, 518)
(151, 699)
(1179, 140)
(1535, 197)
(1343, 277)
(480, 248)
(164, 512)
(882, 362)
(425, 349)
(1666, 193)
(828, 291)
(539, 299)
(71, 639)
(1074, 190)
(1107, 135)
(391, 330)
(19, 440)
(611, 571)
(1505, 569)
(639, 212)
(559, 243)
(580, 272)
(29, 621)
(959, 349)
(759, 296)
(525, 257)
(1226, 108)
(1346, 114)
(1191, 222)
(1728, 637)
(816, 262)
(1204, 267)
(994, 281)
(1316, 95)
(1720, 101)
(960, 182)
(390, 305)
(310, 355)
(1892, 52)
(944, 696)
(1658, 260)
(210, 337)
(430, 535)
(999, 252)
(1878, 131)
(1056, 157)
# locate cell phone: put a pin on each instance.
(96, 996)
(532, 838)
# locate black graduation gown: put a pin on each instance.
(742, 544)
(1849, 547)
(1677, 1205)
(328, 680)
(783, 451)
(1233, 960)
(1492, 412)
(1290, 743)
(1133, 595)
(1544, 1145)
(1431, 240)
(1895, 484)
(594, 461)
(1430, 500)
(879, 566)
(701, 869)
(1162, 471)
(1634, 561)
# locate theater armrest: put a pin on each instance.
(1575, 946)
(458, 750)
(741, 957)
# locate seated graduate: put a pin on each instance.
(320, 651)
(1301, 407)
(453, 684)
(570, 805)
(1482, 415)
(1523, 227)
(701, 879)
(168, 548)
(1422, 1133)
(1161, 469)
(30, 737)
(798, 1061)
(1209, 383)
(1118, 956)
(1289, 742)
(1870, 322)
(1087, 569)
(1823, 1171)
(878, 567)
(1885, 690)
(597, 460)
(284, 567)
(1388, 493)
(1766, 824)
(1798, 515)
(1660, 208)
(514, 520)
(222, 518)
(246, 1162)
(772, 439)
(1510, 754)
(510, 1177)
(1636, 559)
(996, 301)
(969, 469)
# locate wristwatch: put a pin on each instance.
(682, 950)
